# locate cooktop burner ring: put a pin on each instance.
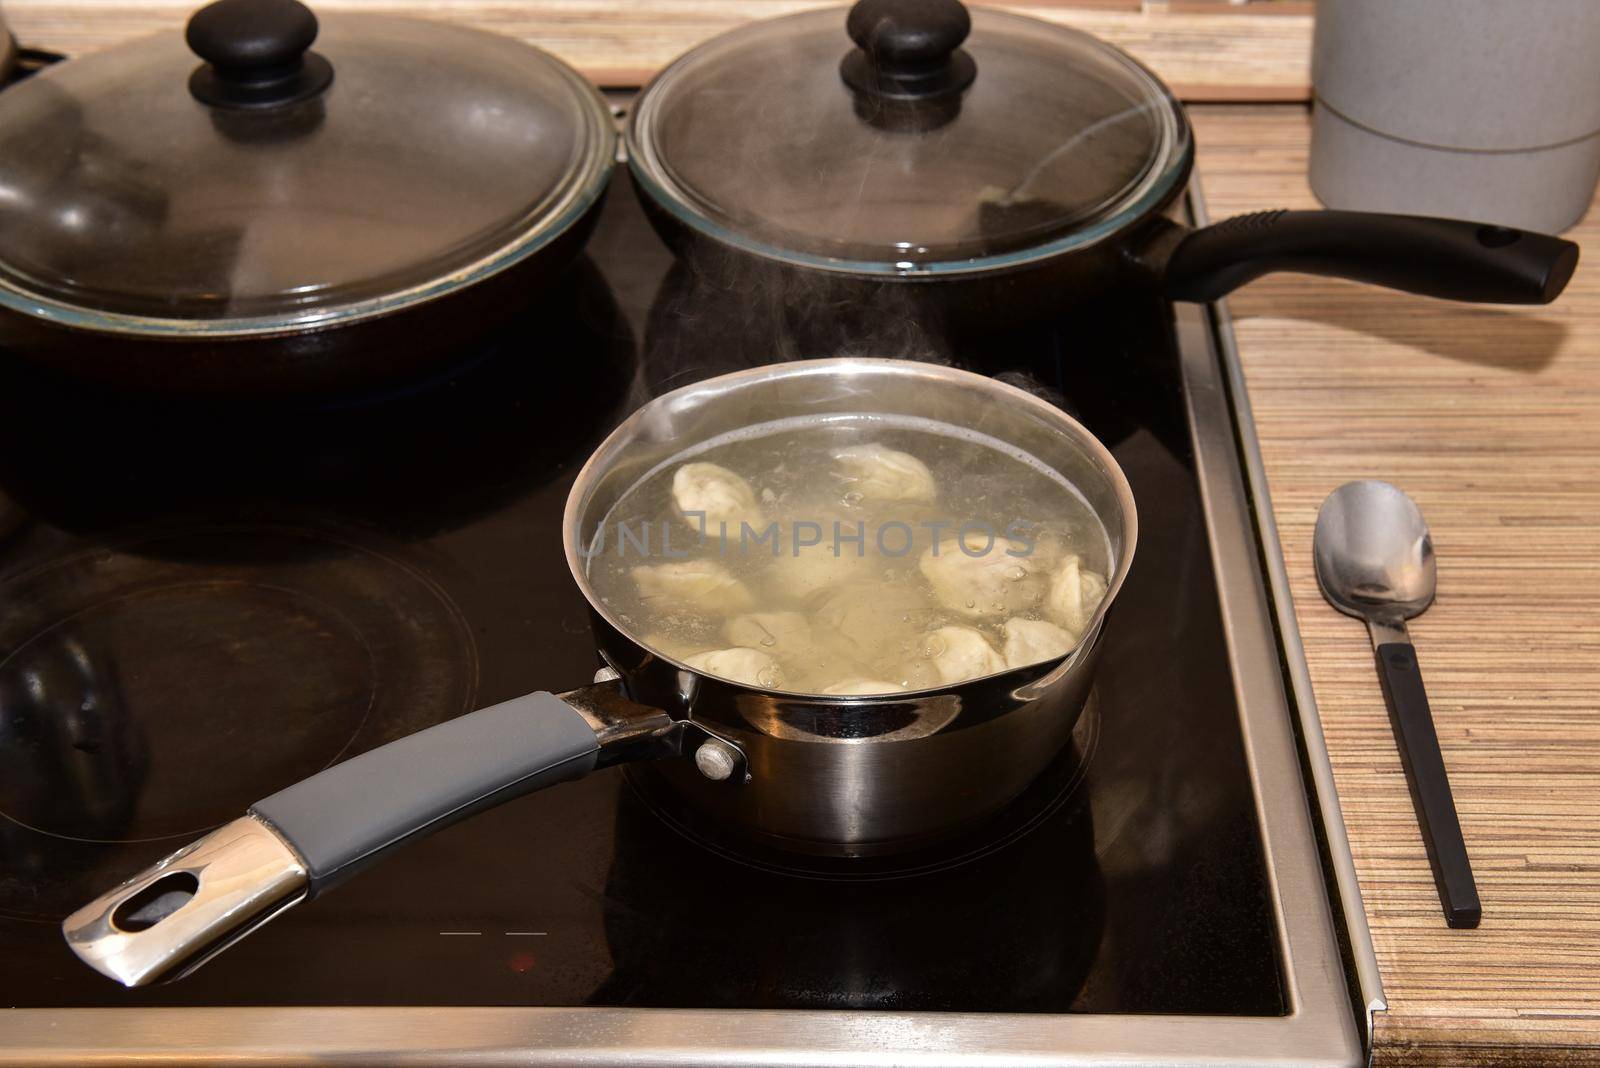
(1058, 784)
(154, 687)
(155, 592)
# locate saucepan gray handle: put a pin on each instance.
(346, 817)
(174, 916)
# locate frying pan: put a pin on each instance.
(879, 158)
(839, 776)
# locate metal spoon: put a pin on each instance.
(1374, 560)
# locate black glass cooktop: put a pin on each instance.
(201, 603)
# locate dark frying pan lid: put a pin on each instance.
(886, 139)
(276, 187)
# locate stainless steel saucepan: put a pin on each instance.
(846, 776)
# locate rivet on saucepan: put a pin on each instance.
(716, 759)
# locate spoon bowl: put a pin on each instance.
(1373, 552)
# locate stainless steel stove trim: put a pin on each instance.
(1320, 1029)
(1364, 961)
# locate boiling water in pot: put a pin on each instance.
(852, 555)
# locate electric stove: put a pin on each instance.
(201, 602)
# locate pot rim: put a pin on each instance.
(1149, 197)
(583, 191)
(599, 462)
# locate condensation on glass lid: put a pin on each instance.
(852, 555)
(755, 138)
(434, 151)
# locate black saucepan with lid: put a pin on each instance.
(273, 205)
(995, 164)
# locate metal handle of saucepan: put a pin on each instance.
(1446, 258)
(186, 908)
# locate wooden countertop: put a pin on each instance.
(1490, 418)
(1206, 49)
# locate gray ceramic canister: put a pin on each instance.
(1472, 109)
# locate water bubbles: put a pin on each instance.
(852, 498)
(768, 678)
(1015, 573)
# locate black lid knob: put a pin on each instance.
(257, 54)
(908, 49)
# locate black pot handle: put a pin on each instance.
(1445, 258)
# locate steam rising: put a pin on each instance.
(718, 312)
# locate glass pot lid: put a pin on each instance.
(888, 139)
(263, 184)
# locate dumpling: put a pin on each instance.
(882, 626)
(1075, 592)
(876, 623)
(703, 586)
(1033, 641)
(857, 687)
(720, 494)
(991, 586)
(1048, 550)
(879, 473)
(960, 653)
(799, 574)
(749, 666)
(811, 659)
(780, 633)
(668, 645)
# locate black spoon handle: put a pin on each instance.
(1445, 258)
(1430, 786)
